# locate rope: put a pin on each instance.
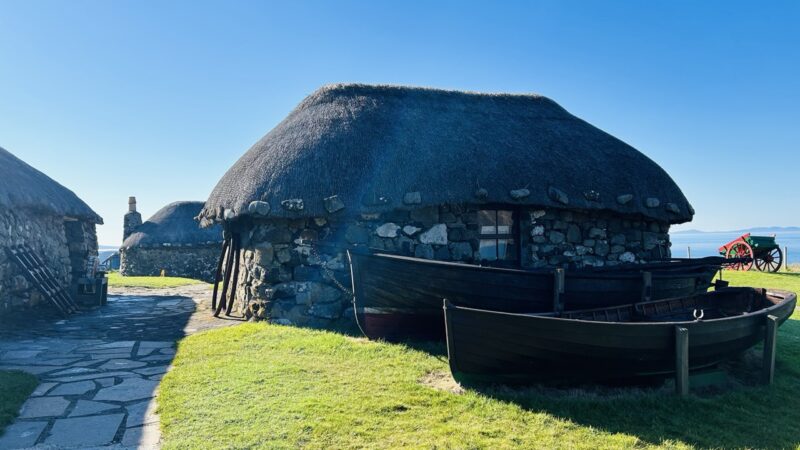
(324, 266)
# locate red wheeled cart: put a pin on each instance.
(762, 251)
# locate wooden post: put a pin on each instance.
(558, 289)
(786, 258)
(689, 251)
(770, 341)
(647, 286)
(681, 361)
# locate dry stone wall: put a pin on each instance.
(197, 262)
(299, 268)
(64, 246)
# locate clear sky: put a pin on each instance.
(157, 99)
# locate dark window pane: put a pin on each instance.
(487, 219)
(505, 222)
(506, 250)
(488, 249)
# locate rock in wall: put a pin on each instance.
(197, 262)
(64, 245)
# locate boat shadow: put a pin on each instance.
(737, 413)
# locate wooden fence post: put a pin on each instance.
(558, 289)
(647, 286)
(681, 361)
(786, 258)
(770, 341)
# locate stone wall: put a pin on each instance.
(197, 262)
(64, 252)
(297, 279)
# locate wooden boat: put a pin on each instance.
(609, 343)
(398, 297)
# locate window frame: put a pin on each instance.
(513, 234)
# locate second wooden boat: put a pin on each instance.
(398, 297)
(610, 343)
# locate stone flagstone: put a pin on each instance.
(92, 376)
(141, 414)
(145, 437)
(152, 370)
(88, 407)
(76, 388)
(105, 382)
(34, 370)
(85, 431)
(119, 364)
(43, 407)
(42, 389)
(22, 434)
(72, 371)
(130, 389)
(21, 354)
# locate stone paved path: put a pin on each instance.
(100, 369)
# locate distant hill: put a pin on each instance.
(763, 230)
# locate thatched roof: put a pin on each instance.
(376, 147)
(174, 225)
(22, 186)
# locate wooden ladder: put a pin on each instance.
(38, 274)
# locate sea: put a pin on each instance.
(704, 243)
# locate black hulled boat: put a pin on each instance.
(399, 297)
(619, 342)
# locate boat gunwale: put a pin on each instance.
(788, 296)
(618, 272)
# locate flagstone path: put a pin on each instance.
(99, 370)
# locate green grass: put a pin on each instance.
(270, 386)
(117, 280)
(15, 387)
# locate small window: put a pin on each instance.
(497, 241)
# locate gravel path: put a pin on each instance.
(100, 369)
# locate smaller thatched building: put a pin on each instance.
(48, 218)
(171, 241)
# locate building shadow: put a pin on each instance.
(100, 366)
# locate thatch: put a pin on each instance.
(22, 186)
(174, 225)
(372, 145)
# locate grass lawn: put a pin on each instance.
(270, 386)
(117, 280)
(15, 387)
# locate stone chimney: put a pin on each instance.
(132, 219)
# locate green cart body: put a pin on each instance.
(764, 253)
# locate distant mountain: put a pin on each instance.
(764, 230)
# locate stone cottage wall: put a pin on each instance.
(197, 262)
(300, 269)
(47, 236)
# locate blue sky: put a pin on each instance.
(158, 99)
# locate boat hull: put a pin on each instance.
(399, 297)
(490, 346)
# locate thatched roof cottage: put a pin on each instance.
(37, 211)
(172, 241)
(482, 178)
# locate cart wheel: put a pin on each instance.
(770, 261)
(740, 250)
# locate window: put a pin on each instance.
(497, 241)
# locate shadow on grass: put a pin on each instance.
(740, 413)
